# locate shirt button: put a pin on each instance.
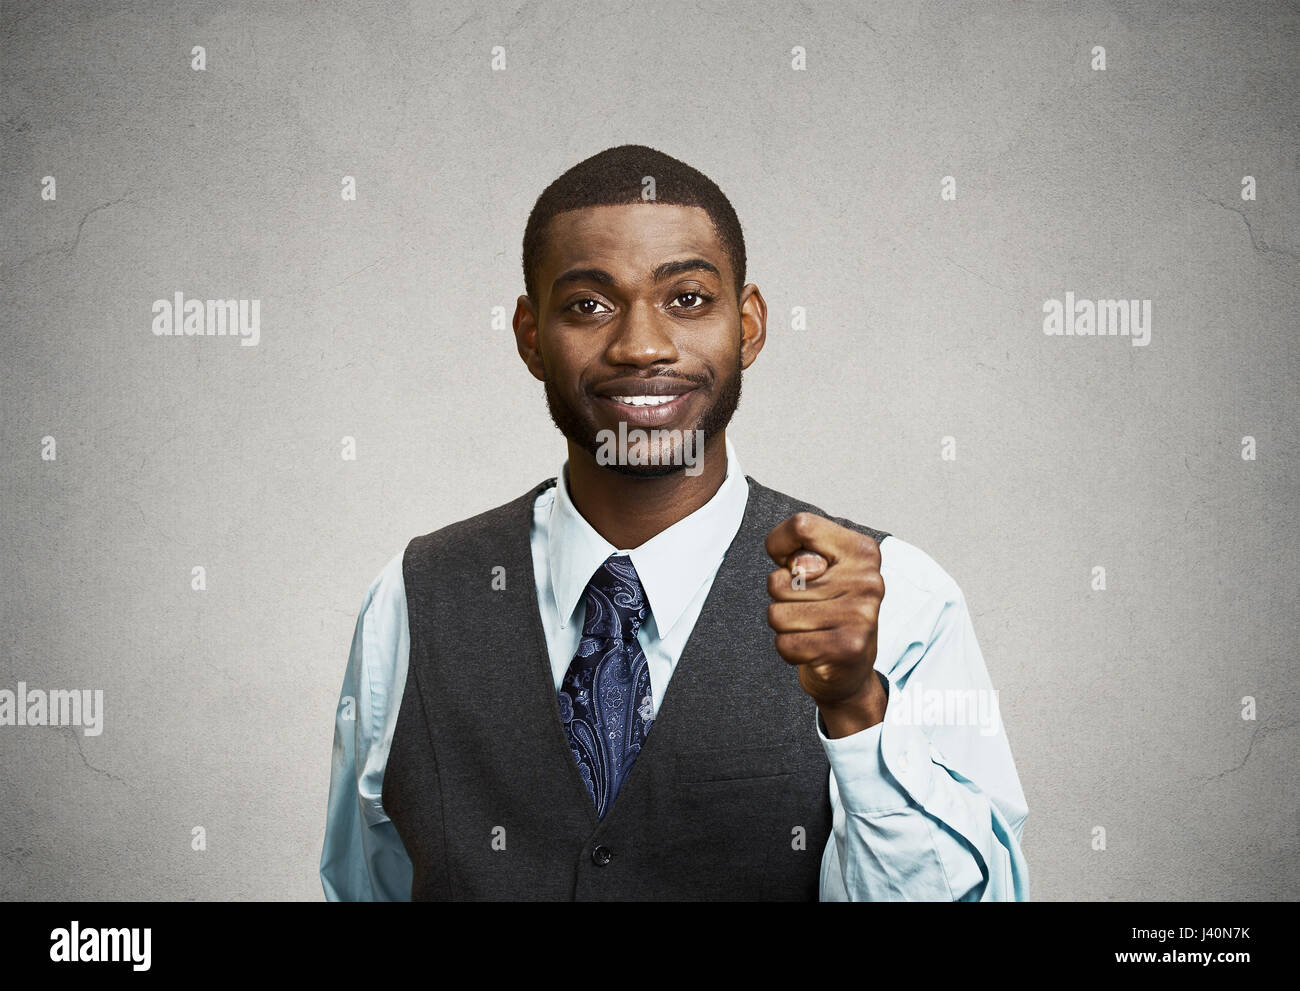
(902, 760)
(601, 856)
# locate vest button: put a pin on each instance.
(601, 856)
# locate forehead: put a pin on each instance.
(628, 240)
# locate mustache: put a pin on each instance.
(692, 379)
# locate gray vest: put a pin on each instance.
(728, 800)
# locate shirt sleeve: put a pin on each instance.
(362, 858)
(927, 804)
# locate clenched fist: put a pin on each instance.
(826, 593)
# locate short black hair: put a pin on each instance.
(614, 177)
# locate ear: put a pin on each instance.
(753, 324)
(526, 337)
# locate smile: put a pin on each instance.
(646, 410)
(642, 400)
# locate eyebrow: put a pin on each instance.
(661, 272)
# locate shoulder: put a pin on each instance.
(915, 570)
(381, 627)
(923, 608)
(483, 530)
(386, 594)
(920, 596)
(770, 506)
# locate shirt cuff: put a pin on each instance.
(884, 767)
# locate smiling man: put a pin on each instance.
(651, 677)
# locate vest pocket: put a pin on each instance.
(745, 806)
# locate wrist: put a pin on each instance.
(853, 715)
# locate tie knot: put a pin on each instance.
(616, 605)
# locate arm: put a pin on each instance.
(927, 803)
(362, 858)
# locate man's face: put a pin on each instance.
(637, 320)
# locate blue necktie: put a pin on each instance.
(605, 698)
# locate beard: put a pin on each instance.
(580, 428)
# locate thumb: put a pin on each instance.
(812, 564)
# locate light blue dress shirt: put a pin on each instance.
(926, 805)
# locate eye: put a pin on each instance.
(585, 306)
(696, 299)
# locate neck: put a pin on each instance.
(626, 510)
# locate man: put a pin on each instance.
(652, 677)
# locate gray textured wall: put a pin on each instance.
(1123, 706)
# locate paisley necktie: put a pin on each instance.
(605, 698)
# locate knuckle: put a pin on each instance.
(778, 583)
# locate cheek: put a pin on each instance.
(562, 365)
(724, 360)
(569, 375)
(721, 346)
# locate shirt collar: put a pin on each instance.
(672, 565)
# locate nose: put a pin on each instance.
(642, 338)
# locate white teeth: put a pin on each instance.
(643, 400)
